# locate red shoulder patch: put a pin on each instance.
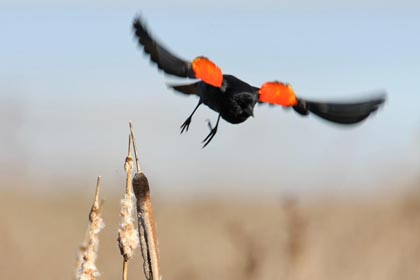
(278, 93)
(205, 70)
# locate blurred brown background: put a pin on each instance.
(283, 238)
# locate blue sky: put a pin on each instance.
(73, 76)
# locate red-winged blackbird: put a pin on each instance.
(235, 99)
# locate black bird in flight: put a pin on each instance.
(235, 99)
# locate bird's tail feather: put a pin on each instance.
(186, 89)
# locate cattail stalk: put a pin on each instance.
(133, 139)
(146, 222)
(128, 239)
(88, 269)
(147, 228)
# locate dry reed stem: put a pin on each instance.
(128, 239)
(296, 229)
(147, 228)
(125, 270)
(146, 222)
(133, 140)
(88, 269)
(251, 253)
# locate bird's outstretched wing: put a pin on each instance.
(281, 94)
(200, 68)
(341, 112)
(164, 59)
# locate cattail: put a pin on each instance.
(146, 221)
(147, 227)
(128, 239)
(82, 250)
(89, 250)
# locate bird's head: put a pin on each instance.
(207, 71)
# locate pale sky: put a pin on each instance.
(72, 77)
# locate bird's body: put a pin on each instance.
(235, 99)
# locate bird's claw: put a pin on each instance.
(213, 131)
(185, 125)
(209, 124)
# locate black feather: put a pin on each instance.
(187, 89)
(342, 113)
(164, 59)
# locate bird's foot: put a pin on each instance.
(213, 131)
(186, 125)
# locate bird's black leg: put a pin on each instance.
(187, 122)
(213, 131)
